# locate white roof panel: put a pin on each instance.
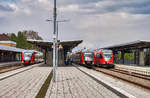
(8, 48)
(11, 42)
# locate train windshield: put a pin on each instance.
(27, 54)
(88, 55)
(107, 54)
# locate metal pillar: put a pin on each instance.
(54, 42)
(141, 58)
(122, 56)
(57, 46)
(135, 53)
(45, 56)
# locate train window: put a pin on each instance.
(27, 54)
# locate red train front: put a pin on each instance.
(31, 56)
(103, 58)
(28, 56)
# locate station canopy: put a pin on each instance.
(12, 49)
(67, 45)
(139, 44)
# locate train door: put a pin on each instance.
(101, 58)
(33, 57)
(82, 58)
(94, 58)
(98, 58)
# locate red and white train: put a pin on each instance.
(101, 57)
(31, 56)
(78, 57)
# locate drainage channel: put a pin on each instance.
(44, 88)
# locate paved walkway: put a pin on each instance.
(24, 85)
(72, 83)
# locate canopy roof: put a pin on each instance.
(139, 44)
(67, 45)
(10, 42)
(8, 48)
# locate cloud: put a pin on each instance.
(130, 6)
(98, 22)
(7, 7)
(74, 8)
(106, 6)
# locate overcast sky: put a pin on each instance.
(98, 22)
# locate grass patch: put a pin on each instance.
(43, 90)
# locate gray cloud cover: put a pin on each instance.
(98, 22)
(5, 8)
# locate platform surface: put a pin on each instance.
(25, 84)
(72, 83)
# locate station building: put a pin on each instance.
(63, 48)
(8, 53)
(8, 50)
(132, 53)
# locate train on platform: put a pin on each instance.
(83, 57)
(103, 58)
(100, 58)
(31, 57)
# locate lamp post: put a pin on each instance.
(54, 42)
(57, 40)
(57, 22)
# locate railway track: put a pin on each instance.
(142, 76)
(13, 66)
(137, 79)
(10, 68)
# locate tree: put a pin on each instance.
(21, 38)
(13, 37)
(31, 35)
(22, 41)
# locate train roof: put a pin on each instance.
(8, 48)
(28, 51)
(32, 51)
